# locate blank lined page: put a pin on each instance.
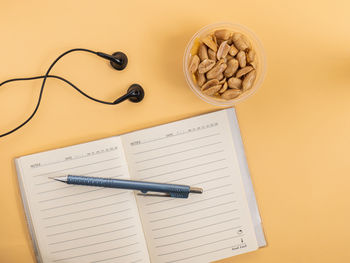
(196, 152)
(73, 223)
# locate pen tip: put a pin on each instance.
(196, 190)
(60, 178)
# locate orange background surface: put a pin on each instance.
(295, 128)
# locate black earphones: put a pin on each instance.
(118, 61)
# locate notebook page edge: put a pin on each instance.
(248, 185)
(26, 211)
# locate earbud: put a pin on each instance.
(118, 60)
(135, 94)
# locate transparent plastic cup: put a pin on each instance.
(256, 45)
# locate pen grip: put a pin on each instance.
(179, 191)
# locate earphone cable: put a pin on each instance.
(64, 80)
(44, 77)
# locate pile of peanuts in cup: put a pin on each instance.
(224, 66)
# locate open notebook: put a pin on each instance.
(70, 223)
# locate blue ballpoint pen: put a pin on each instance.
(172, 190)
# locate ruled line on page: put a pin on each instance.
(97, 252)
(197, 219)
(93, 244)
(173, 144)
(87, 218)
(79, 166)
(200, 236)
(171, 154)
(80, 202)
(82, 228)
(103, 170)
(210, 180)
(217, 187)
(193, 211)
(193, 229)
(162, 201)
(179, 161)
(189, 248)
(183, 169)
(88, 209)
(195, 175)
(98, 234)
(70, 195)
(195, 202)
(46, 182)
(53, 190)
(139, 260)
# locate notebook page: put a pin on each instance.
(72, 223)
(198, 152)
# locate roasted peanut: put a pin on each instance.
(232, 66)
(228, 57)
(216, 70)
(250, 56)
(243, 71)
(223, 50)
(222, 34)
(212, 55)
(220, 77)
(208, 40)
(212, 90)
(240, 41)
(203, 52)
(210, 83)
(200, 79)
(233, 51)
(194, 64)
(223, 88)
(249, 80)
(206, 65)
(245, 39)
(241, 57)
(234, 83)
(231, 94)
(222, 81)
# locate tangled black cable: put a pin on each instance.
(135, 92)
